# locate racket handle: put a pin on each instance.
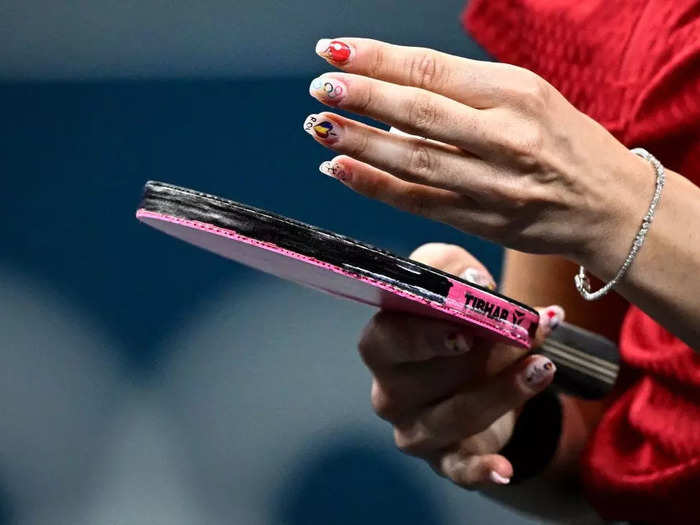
(587, 363)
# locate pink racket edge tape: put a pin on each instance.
(464, 302)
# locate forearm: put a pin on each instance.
(663, 279)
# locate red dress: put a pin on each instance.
(634, 66)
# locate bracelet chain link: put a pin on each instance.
(581, 280)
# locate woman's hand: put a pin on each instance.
(507, 157)
(453, 399)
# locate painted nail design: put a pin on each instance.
(309, 123)
(328, 90)
(456, 342)
(333, 50)
(538, 371)
(551, 317)
(478, 277)
(498, 479)
(323, 129)
(335, 170)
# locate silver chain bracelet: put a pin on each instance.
(583, 284)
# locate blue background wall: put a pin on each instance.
(77, 154)
(142, 381)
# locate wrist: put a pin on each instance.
(617, 219)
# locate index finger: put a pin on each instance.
(476, 83)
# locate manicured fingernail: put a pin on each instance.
(538, 371)
(457, 342)
(478, 277)
(498, 479)
(333, 50)
(328, 90)
(322, 128)
(310, 121)
(551, 317)
(335, 170)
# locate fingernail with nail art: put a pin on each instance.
(478, 277)
(334, 50)
(552, 316)
(328, 90)
(456, 342)
(310, 122)
(538, 371)
(321, 128)
(335, 170)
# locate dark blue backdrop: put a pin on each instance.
(74, 158)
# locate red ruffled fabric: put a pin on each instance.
(634, 66)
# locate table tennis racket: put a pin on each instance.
(348, 268)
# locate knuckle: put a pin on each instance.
(460, 470)
(377, 63)
(382, 403)
(531, 142)
(412, 441)
(466, 414)
(533, 93)
(414, 201)
(368, 341)
(375, 336)
(465, 479)
(421, 162)
(518, 205)
(377, 188)
(426, 70)
(497, 225)
(359, 145)
(526, 145)
(422, 113)
(364, 347)
(366, 102)
(511, 195)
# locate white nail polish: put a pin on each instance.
(334, 170)
(478, 277)
(498, 479)
(538, 371)
(335, 51)
(322, 45)
(310, 122)
(552, 316)
(326, 168)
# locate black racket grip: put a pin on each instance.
(587, 363)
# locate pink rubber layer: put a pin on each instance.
(268, 257)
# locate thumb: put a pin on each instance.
(455, 260)
(478, 470)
